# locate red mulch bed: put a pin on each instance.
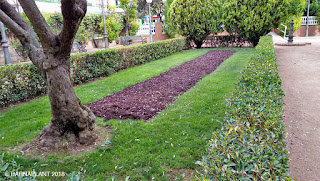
(146, 99)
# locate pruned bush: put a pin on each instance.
(251, 144)
(24, 81)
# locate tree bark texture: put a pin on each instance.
(70, 119)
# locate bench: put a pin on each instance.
(76, 47)
(128, 40)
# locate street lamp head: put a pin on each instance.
(149, 1)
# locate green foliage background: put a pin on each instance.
(195, 19)
(114, 26)
(252, 19)
(167, 27)
(295, 9)
(130, 16)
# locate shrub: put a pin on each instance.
(295, 11)
(251, 144)
(195, 19)
(113, 26)
(252, 19)
(24, 81)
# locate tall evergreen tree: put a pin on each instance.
(251, 18)
(195, 19)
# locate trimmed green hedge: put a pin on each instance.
(19, 82)
(251, 144)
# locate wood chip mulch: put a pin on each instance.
(146, 99)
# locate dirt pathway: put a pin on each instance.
(146, 99)
(299, 69)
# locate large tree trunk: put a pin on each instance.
(70, 119)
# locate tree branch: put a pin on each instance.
(12, 19)
(40, 25)
(73, 12)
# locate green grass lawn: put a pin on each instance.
(172, 141)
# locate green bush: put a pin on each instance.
(295, 11)
(195, 19)
(24, 81)
(251, 18)
(251, 144)
(113, 26)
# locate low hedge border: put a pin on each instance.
(251, 144)
(23, 81)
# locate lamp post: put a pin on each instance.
(307, 27)
(5, 45)
(106, 43)
(149, 2)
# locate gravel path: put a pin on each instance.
(299, 69)
(146, 99)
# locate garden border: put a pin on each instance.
(251, 144)
(20, 82)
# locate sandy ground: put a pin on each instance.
(299, 69)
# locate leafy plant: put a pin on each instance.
(295, 11)
(74, 177)
(8, 165)
(195, 19)
(251, 144)
(82, 35)
(252, 19)
(113, 25)
(130, 16)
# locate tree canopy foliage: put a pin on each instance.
(195, 19)
(114, 26)
(295, 11)
(130, 16)
(156, 7)
(252, 19)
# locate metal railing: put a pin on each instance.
(312, 20)
(285, 30)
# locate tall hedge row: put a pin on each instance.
(251, 144)
(19, 82)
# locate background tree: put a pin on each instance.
(91, 25)
(114, 26)
(296, 9)
(167, 26)
(143, 8)
(195, 19)
(130, 16)
(314, 8)
(70, 119)
(251, 18)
